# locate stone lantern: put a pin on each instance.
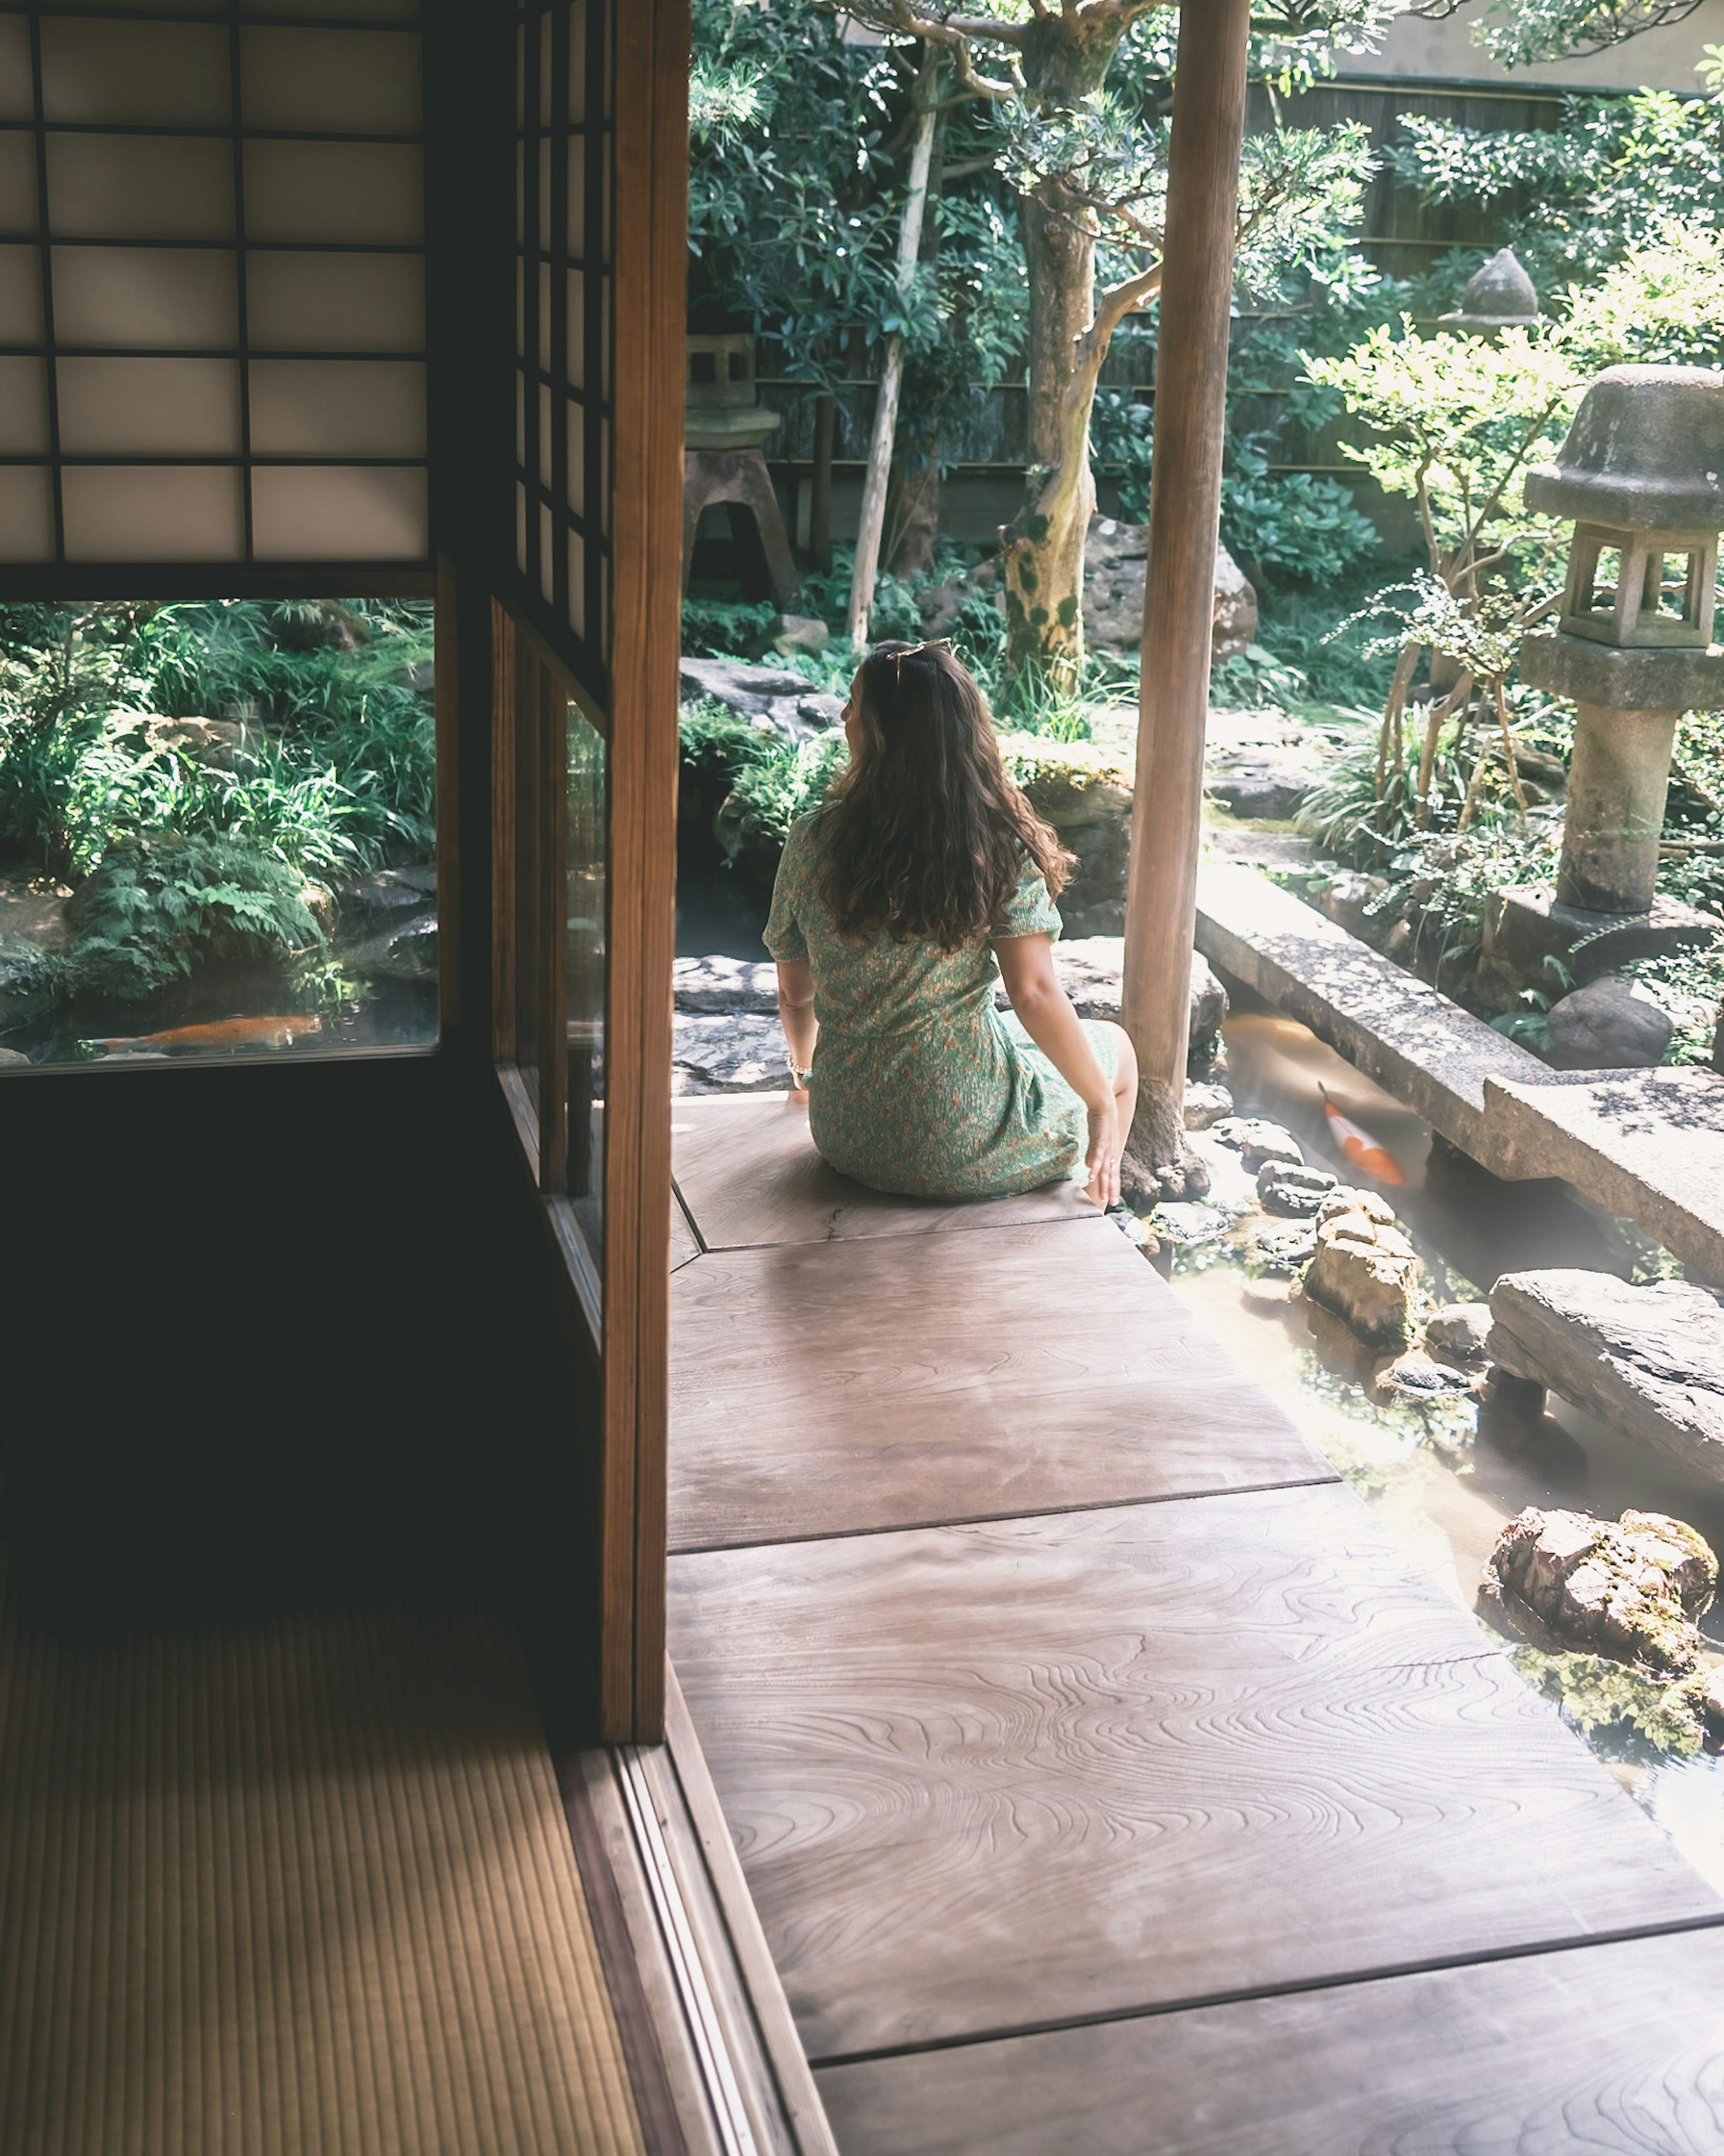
(725, 428)
(1500, 296)
(1642, 475)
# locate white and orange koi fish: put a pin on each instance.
(1358, 1146)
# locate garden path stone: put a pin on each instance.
(1460, 1332)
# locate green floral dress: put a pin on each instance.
(919, 1085)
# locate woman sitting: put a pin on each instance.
(894, 899)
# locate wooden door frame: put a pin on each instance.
(625, 1325)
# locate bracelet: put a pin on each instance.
(799, 1077)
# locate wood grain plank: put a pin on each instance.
(749, 1175)
(683, 1244)
(987, 1778)
(1616, 2049)
(829, 1388)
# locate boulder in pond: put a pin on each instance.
(716, 984)
(1115, 568)
(727, 1052)
(773, 696)
(1605, 1026)
(1205, 1105)
(1417, 1376)
(1458, 1331)
(1295, 1193)
(1365, 1270)
(1256, 1139)
(1648, 1361)
(1631, 1589)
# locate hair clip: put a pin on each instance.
(922, 650)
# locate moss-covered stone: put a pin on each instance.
(1086, 795)
(1630, 1589)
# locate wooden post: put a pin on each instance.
(1184, 524)
(873, 519)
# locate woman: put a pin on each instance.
(894, 899)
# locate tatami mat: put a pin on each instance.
(301, 1887)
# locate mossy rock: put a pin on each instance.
(1085, 793)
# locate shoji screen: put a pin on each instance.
(212, 284)
(565, 75)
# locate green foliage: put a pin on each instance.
(785, 783)
(1576, 199)
(725, 629)
(1626, 1715)
(160, 907)
(1293, 527)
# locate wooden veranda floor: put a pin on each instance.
(1105, 1779)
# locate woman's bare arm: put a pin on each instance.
(1027, 966)
(796, 1009)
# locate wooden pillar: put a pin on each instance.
(1184, 522)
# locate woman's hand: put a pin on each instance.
(1102, 1159)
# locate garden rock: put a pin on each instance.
(797, 632)
(1282, 1248)
(792, 706)
(1209, 1003)
(1115, 563)
(11, 1058)
(1267, 787)
(1205, 1105)
(405, 952)
(1345, 899)
(1649, 1361)
(1420, 1377)
(1365, 1270)
(1294, 1191)
(719, 984)
(728, 1052)
(211, 742)
(1460, 1332)
(390, 893)
(1086, 796)
(1185, 1221)
(1631, 1589)
(1256, 1141)
(1605, 1026)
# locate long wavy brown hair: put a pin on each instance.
(924, 835)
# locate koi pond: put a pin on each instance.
(1447, 1475)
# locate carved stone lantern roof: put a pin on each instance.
(1500, 296)
(1645, 453)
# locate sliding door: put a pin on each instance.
(585, 641)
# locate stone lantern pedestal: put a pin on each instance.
(1642, 472)
(725, 428)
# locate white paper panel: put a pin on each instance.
(145, 297)
(545, 195)
(577, 329)
(336, 512)
(520, 420)
(578, 195)
(156, 8)
(604, 478)
(544, 70)
(163, 73)
(336, 82)
(577, 62)
(20, 296)
(17, 94)
(140, 187)
(545, 317)
(152, 513)
(577, 475)
(520, 308)
(373, 11)
(149, 407)
(358, 408)
(544, 436)
(26, 513)
(17, 182)
(23, 407)
(371, 192)
(521, 528)
(520, 194)
(336, 302)
(577, 584)
(548, 559)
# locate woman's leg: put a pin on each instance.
(1124, 1079)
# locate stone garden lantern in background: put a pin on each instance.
(1642, 475)
(1500, 296)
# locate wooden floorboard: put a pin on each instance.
(1613, 2050)
(683, 1243)
(749, 1175)
(992, 1778)
(827, 1387)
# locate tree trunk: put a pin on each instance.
(1179, 591)
(1045, 555)
(872, 521)
(915, 523)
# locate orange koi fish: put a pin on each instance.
(1358, 1146)
(225, 1033)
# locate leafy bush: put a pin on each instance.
(725, 629)
(1294, 527)
(777, 788)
